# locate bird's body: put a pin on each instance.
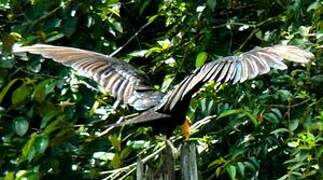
(164, 111)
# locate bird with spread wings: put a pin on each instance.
(165, 111)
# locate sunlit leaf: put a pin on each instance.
(229, 113)
(10, 176)
(55, 37)
(200, 59)
(280, 130)
(231, 171)
(116, 161)
(115, 141)
(28, 151)
(103, 156)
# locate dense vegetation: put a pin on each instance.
(54, 123)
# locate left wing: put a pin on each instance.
(122, 80)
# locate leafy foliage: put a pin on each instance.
(53, 123)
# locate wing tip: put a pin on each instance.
(19, 49)
(293, 53)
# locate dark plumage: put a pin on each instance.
(166, 111)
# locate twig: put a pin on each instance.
(106, 131)
(52, 12)
(114, 173)
(202, 122)
(245, 24)
(289, 106)
(248, 38)
(131, 38)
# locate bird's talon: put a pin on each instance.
(186, 128)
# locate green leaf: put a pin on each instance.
(40, 92)
(41, 144)
(55, 37)
(34, 64)
(279, 130)
(293, 124)
(200, 59)
(20, 95)
(36, 145)
(104, 156)
(6, 88)
(6, 62)
(277, 113)
(232, 171)
(69, 25)
(42, 89)
(116, 161)
(313, 6)
(30, 175)
(229, 113)
(28, 151)
(139, 53)
(240, 111)
(167, 82)
(125, 153)
(216, 162)
(48, 116)
(212, 4)
(250, 166)
(116, 142)
(54, 125)
(284, 94)
(272, 117)
(7, 41)
(203, 104)
(218, 171)
(10, 176)
(318, 79)
(241, 168)
(21, 126)
(251, 117)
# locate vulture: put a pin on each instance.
(165, 111)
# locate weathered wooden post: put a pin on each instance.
(165, 170)
(189, 162)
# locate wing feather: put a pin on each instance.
(120, 79)
(235, 69)
(231, 71)
(237, 76)
(223, 72)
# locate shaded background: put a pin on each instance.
(51, 119)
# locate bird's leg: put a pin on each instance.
(186, 128)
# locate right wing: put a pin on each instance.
(120, 79)
(235, 69)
